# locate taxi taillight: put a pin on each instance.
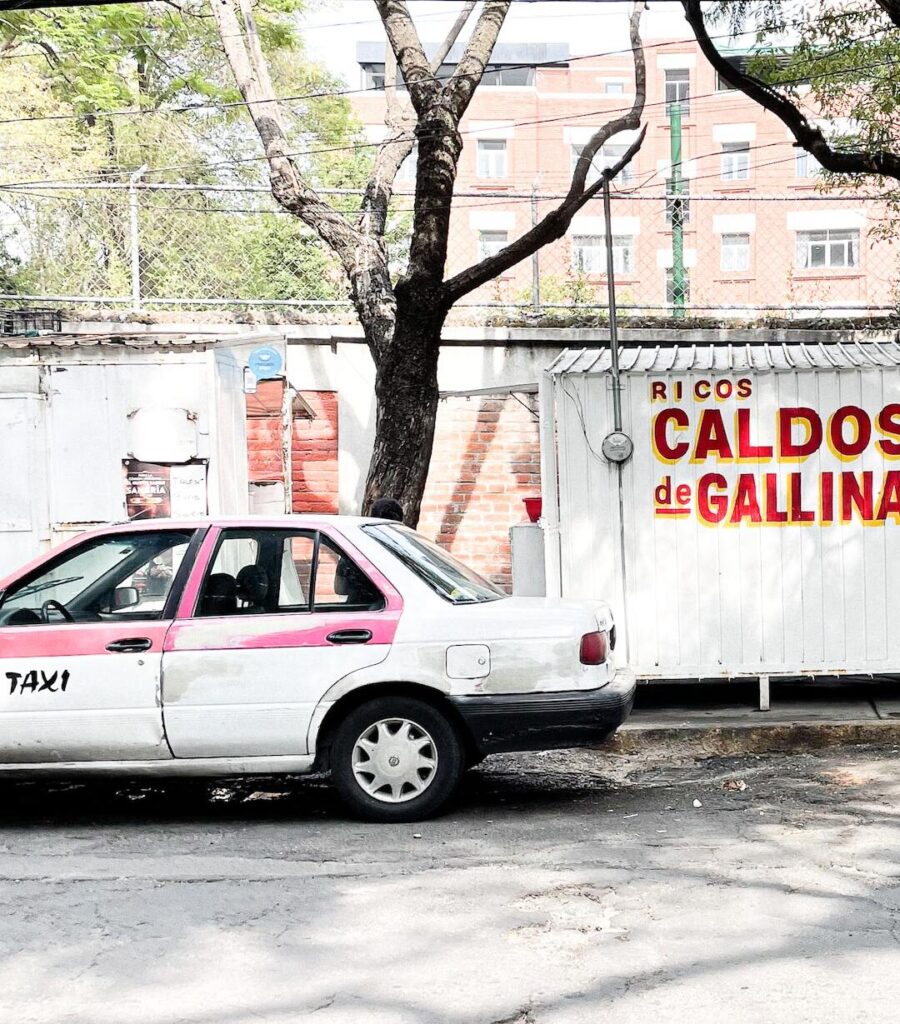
(594, 648)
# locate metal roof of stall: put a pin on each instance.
(767, 357)
(126, 341)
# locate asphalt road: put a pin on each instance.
(572, 887)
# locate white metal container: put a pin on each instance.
(756, 529)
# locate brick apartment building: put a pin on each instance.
(757, 231)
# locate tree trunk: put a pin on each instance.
(406, 401)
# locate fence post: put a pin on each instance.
(135, 236)
(535, 261)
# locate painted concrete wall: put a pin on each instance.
(68, 422)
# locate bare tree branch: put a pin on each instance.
(404, 39)
(288, 186)
(468, 73)
(555, 224)
(550, 228)
(808, 136)
(258, 60)
(446, 46)
(393, 112)
(401, 123)
(632, 120)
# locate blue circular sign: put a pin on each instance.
(265, 362)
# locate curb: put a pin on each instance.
(784, 738)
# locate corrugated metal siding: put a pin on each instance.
(141, 341)
(764, 358)
(716, 601)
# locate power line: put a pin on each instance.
(333, 93)
(355, 147)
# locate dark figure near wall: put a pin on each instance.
(387, 508)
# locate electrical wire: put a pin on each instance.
(355, 147)
(333, 93)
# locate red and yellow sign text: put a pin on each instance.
(691, 425)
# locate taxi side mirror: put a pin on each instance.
(125, 597)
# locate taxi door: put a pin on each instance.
(277, 618)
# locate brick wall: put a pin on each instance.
(264, 460)
(486, 460)
(314, 455)
(314, 445)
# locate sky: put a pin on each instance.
(332, 28)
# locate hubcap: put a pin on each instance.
(394, 760)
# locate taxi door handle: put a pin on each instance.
(350, 636)
(130, 645)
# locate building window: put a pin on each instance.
(616, 88)
(611, 153)
(807, 166)
(735, 252)
(672, 200)
(678, 88)
(606, 156)
(508, 76)
(735, 161)
(491, 161)
(407, 170)
(683, 292)
(589, 254)
(373, 76)
(491, 242)
(722, 85)
(827, 249)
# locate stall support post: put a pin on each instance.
(764, 701)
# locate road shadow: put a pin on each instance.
(139, 801)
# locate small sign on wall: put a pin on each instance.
(158, 491)
(162, 434)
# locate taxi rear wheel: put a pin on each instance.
(396, 759)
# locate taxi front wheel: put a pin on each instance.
(396, 759)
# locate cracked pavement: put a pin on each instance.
(561, 888)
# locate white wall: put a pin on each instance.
(64, 417)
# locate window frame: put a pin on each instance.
(284, 533)
(670, 287)
(484, 253)
(382, 532)
(490, 155)
(683, 101)
(812, 169)
(733, 247)
(493, 76)
(723, 86)
(851, 246)
(182, 574)
(684, 195)
(730, 161)
(624, 177)
(409, 163)
(623, 245)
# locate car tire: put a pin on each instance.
(396, 759)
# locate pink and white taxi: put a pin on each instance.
(292, 644)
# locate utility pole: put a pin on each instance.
(135, 236)
(613, 312)
(535, 261)
(679, 282)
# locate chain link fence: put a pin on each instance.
(724, 256)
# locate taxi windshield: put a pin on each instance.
(446, 575)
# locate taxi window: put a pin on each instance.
(119, 576)
(275, 571)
